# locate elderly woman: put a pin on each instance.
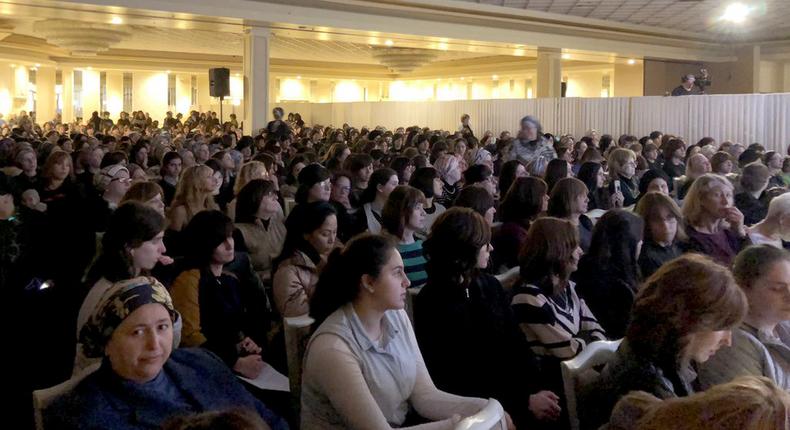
(622, 168)
(775, 228)
(450, 173)
(751, 201)
(761, 345)
(143, 380)
(713, 224)
(530, 143)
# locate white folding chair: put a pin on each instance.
(491, 417)
(42, 399)
(579, 372)
(297, 334)
(409, 305)
(509, 278)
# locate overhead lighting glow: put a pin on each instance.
(389, 42)
(167, 71)
(631, 61)
(38, 64)
(736, 13)
(495, 77)
(89, 68)
(566, 56)
(298, 77)
(116, 20)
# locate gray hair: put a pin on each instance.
(534, 121)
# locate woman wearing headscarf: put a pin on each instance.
(143, 379)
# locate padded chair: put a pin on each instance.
(42, 399)
(491, 417)
(580, 372)
(297, 334)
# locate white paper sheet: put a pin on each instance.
(269, 379)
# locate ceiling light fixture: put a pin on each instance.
(116, 20)
(566, 56)
(736, 12)
(298, 77)
(631, 61)
(495, 77)
(389, 42)
(167, 71)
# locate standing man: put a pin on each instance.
(687, 87)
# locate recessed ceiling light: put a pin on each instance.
(167, 71)
(462, 78)
(89, 68)
(116, 20)
(298, 77)
(736, 13)
(495, 77)
(566, 56)
(38, 65)
(389, 42)
(631, 61)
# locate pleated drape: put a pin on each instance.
(746, 118)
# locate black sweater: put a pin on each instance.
(472, 345)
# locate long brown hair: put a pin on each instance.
(689, 294)
(396, 212)
(190, 192)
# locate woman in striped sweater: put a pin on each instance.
(404, 215)
(557, 323)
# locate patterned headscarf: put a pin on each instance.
(445, 164)
(116, 305)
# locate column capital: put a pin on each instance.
(257, 31)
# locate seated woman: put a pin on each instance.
(312, 232)
(403, 216)
(511, 170)
(775, 228)
(568, 200)
(314, 184)
(608, 275)
(622, 169)
(480, 200)
(147, 193)
(755, 178)
(380, 185)
(556, 169)
(449, 171)
(674, 154)
(713, 225)
(761, 345)
(462, 305)
(557, 323)
(143, 379)
(747, 403)
(526, 200)
(663, 231)
(594, 177)
(426, 179)
(653, 181)
(377, 371)
(131, 246)
(665, 336)
(696, 166)
(259, 225)
(193, 194)
(219, 312)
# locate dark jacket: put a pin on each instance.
(754, 210)
(628, 188)
(626, 372)
(585, 232)
(652, 256)
(472, 345)
(507, 241)
(674, 171)
(105, 401)
(608, 296)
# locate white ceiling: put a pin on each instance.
(768, 19)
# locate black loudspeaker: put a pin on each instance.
(219, 82)
(563, 89)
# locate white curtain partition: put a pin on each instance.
(748, 118)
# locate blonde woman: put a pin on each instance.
(747, 403)
(193, 194)
(622, 170)
(713, 224)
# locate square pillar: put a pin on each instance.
(256, 79)
(747, 69)
(114, 92)
(91, 88)
(45, 94)
(549, 73)
(67, 95)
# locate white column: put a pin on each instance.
(549, 73)
(114, 91)
(45, 94)
(67, 95)
(91, 87)
(256, 79)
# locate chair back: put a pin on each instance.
(297, 335)
(491, 417)
(580, 372)
(42, 399)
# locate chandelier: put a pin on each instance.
(403, 60)
(83, 39)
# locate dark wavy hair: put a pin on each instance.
(422, 179)
(379, 177)
(507, 175)
(130, 225)
(249, 199)
(613, 246)
(396, 212)
(340, 281)
(204, 233)
(452, 246)
(305, 218)
(524, 201)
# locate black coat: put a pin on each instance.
(472, 344)
(608, 296)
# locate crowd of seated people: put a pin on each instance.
(441, 269)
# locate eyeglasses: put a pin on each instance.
(121, 180)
